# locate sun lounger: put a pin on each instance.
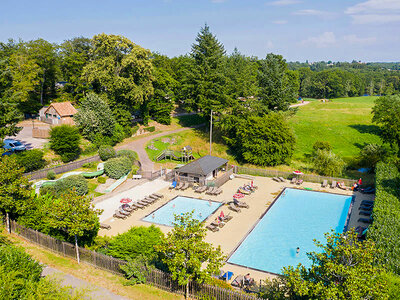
(226, 276)
(233, 207)
(241, 204)
(366, 207)
(179, 186)
(365, 220)
(294, 180)
(212, 228)
(333, 185)
(141, 202)
(341, 186)
(137, 205)
(118, 215)
(173, 185)
(210, 191)
(155, 198)
(105, 226)
(151, 199)
(185, 186)
(200, 189)
(148, 201)
(123, 212)
(324, 183)
(227, 218)
(365, 212)
(367, 202)
(243, 191)
(220, 224)
(158, 195)
(238, 281)
(126, 208)
(299, 182)
(276, 179)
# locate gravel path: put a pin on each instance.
(94, 291)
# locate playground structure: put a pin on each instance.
(185, 156)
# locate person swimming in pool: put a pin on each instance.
(297, 251)
(153, 216)
(200, 215)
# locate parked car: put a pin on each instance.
(11, 145)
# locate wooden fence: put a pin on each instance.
(61, 169)
(157, 278)
(289, 175)
(41, 133)
(222, 179)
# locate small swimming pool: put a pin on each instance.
(179, 205)
(294, 220)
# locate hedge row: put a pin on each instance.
(385, 230)
(77, 182)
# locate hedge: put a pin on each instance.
(31, 160)
(77, 182)
(385, 229)
(106, 152)
(132, 155)
(117, 167)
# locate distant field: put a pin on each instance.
(345, 123)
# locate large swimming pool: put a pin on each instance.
(294, 220)
(179, 205)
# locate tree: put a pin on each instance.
(265, 140)
(14, 188)
(204, 82)
(386, 113)
(9, 118)
(328, 163)
(94, 117)
(277, 88)
(75, 215)
(119, 69)
(344, 269)
(64, 140)
(185, 251)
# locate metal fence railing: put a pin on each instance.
(61, 169)
(289, 175)
(156, 277)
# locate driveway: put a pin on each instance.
(25, 135)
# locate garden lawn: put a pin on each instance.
(345, 123)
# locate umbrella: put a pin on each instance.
(238, 196)
(297, 173)
(125, 200)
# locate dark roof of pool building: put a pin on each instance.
(203, 166)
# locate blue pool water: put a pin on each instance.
(165, 214)
(294, 220)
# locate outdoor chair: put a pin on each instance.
(276, 179)
(215, 223)
(212, 228)
(241, 204)
(173, 185)
(125, 213)
(105, 226)
(294, 180)
(185, 186)
(341, 186)
(179, 186)
(217, 191)
(126, 208)
(141, 202)
(299, 182)
(210, 191)
(118, 215)
(233, 207)
(366, 207)
(281, 179)
(333, 185)
(324, 183)
(365, 220)
(238, 281)
(158, 195)
(365, 213)
(148, 201)
(155, 198)
(227, 218)
(138, 205)
(367, 202)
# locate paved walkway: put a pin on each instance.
(94, 291)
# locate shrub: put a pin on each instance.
(51, 175)
(117, 167)
(99, 139)
(64, 140)
(106, 152)
(90, 165)
(132, 155)
(134, 129)
(150, 128)
(101, 180)
(31, 160)
(321, 145)
(135, 169)
(92, 148)
(371, 154)
(75, 181)
(118, 134)
(136, 270)
(328, 163)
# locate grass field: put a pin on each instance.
(345, 123)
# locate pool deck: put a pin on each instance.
(230, 236)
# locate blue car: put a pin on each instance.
(11, 145)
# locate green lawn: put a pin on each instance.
(345, 123)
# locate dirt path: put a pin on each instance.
(300, 104)
(140, 144)
(93, 291)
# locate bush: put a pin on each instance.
(64, 140)
(328, 164)
(118, 134)
(92, 148)
(99, 139)
(132, 155)
(90, 165)
(51, 175)
(101, 180)
(31, 160)
(77, 182)
(134, 129)
(135, 169)
(106, 152)
(117, 167)
(371, 154)
(136, 270)
(320, 145)
(150, 129)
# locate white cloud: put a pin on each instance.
(269, 45)
(354, 39)
(218, 1)
(375, 12)
(324, 40)
(283, 2)
(279, 22)
(309, 12)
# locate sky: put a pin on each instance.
(300, 30)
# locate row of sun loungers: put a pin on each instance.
(179, 186)
(125, 210)
(214, 226)
(209, 190)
